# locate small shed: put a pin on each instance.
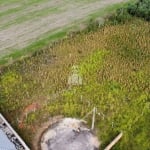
(69, 134)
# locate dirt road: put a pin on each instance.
(22, 27)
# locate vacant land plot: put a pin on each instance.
(24, 22)
(114, 65)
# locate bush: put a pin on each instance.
(92, 25)
(140, 9)
(120, 16)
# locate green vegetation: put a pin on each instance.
(140, 8)
(114, 63)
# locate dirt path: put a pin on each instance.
(18, 36)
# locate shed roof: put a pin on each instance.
(5, 143)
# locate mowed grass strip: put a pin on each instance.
(29, 4)
(32, 16)
(4, 2)
(22, 6)
(47, 38)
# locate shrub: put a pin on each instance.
(120, 16)
(141, 8)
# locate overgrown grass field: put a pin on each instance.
(114, 63)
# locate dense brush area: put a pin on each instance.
(140, 8)
(114, 64)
